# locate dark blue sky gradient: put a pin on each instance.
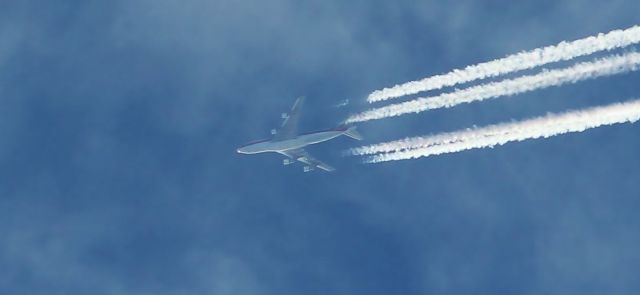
(119, 122)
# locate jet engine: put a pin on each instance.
(286, 162)
(308, 168)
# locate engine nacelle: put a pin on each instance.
(274, 132)
(286, 162)
(284, 115)
(308, 168)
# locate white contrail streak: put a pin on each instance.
(512, 63)
(417, 142)
(490, 136)
(581, 71)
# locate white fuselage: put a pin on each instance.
(289, 144)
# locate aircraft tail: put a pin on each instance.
(353, 133)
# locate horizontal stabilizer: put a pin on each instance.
(353, 133)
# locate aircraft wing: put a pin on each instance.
(289, 127)
(303, 156)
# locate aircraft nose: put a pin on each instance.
(240, 151)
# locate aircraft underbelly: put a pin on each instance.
(304, 140)
(296, 143)
(314, 138)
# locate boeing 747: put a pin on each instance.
(288, 142)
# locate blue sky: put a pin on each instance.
(119, 122)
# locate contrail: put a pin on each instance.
(547, 78)
(417, 142)
(516, 62)
(490, 136)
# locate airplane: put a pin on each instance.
(287, 142)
